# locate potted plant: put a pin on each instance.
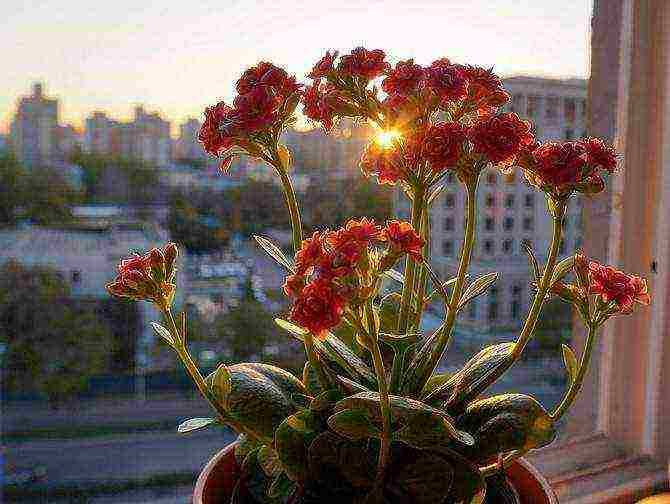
(370, 419)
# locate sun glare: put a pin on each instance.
(385, 138)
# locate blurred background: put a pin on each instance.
(99, 111)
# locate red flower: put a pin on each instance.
(267, 74)
(599, 154)
(617, 286)
(404, 239)
(559, 164)
(443, 145)
(485, 89)
(256, 109)
(364, 230)
(293, 285)
(447, 81)
(383, 163)
(500, 137)
(404, 79)
(318, 308)
(215, 133)
(322, 103)
(349, 243)
(324, 66)
(310, 253)
(363, 63)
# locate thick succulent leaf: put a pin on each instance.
(427, 480)
(292, 440)
(468, 481)
(269, 461)
(475, 377)
(325, 400)
(435, 381)
(353, 424)
(562, 269)
(431, 432)
(477, 288)
(282, 488)
(532, 260)
(403, 410)
(340, 465)
(301, 400)
(163, 333)
(500, 490)
(389, 309)
(350, 387)
(195, 424)
(504, 423)
(244, 446)
(288, 383)
(434, 194)
(436, 292)
(275, 252)
(220, 381)
(290, 327)
(395, 275)
(256, 482)
(570, 362)
(253, 399)
(311, 381)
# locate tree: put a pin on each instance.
(53, 344)
(11, 190)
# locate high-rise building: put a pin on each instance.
(98, 134)
(187, 145)
(152, 138)
(510, 212)
(34, 130)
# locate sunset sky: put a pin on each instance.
(178, 56)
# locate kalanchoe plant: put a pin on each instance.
(370, 420)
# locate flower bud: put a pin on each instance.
(157, 264)
(581, 269)
(170, 251)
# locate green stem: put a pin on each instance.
(466, 254)
(576, 385)
(423, 272)
(384, 401)
(314, 362)
(410, 265)
(529, 325)
(292, 204)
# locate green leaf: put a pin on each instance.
(269, 462)
(478, 287)
(428, 431)
(244, 445)
(221, 381)
(325, 400)
(291, 328)
(434, 194)
(475, 377)
(395, 275)
(562, 269)
(350, 387)
(353, 424)
(301, 400)
(426, 480)
(281, 488)
(403, 409)
(255, 480)
(337, 464)
(506, 422)
(292, 439)
(570, 362)
(163, 333)
(195, 424)
(275, 252)
(532, 260)
(434, 382)
(436, 292)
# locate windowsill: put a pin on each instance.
(592, 469)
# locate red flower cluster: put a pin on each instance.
(617, 286)
(501, 137)
(443, 145)
(485, 89)
(405, 79)
(449, 82)
(325, 279)
(384, 163)
(363, 63)
(267, 95)
(148, 277)
(324, 67)
(572, 165)
(403, 239)
(322, 103)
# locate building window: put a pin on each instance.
(508, 223)
(527, 223)
(448, 224)
(517, 104)
(583, 107)
(447, 248)
(516, 290)
(514, 309)
(490, 201)
(449, 201)
(488, 247)
(493, 311)
(570, 110)
(75, 276)
(529, 201)
(533, 106)
(508, 246)
(509, 201)
(489, 224)
(551, 111)
(491, 178)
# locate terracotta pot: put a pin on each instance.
(217, 479)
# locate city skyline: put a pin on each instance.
(179, 58)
